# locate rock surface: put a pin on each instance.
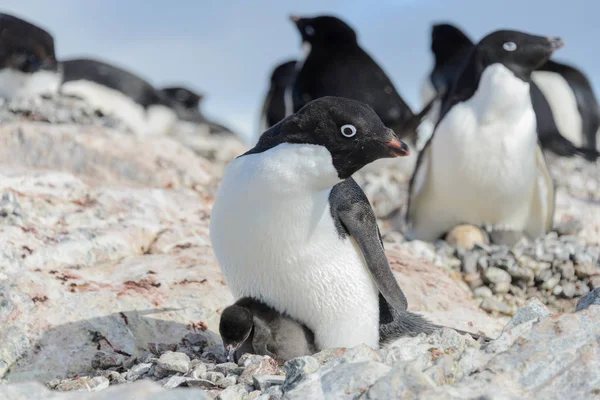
(107, 279)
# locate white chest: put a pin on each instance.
(274, 237)
(15, 84)
(483, 152)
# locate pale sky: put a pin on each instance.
(227, 48)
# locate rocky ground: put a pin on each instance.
(108, 283)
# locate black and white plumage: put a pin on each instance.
(186, 104)
(277, 105)
(291, 228)
(336, 65)
(28, 66)
(251, 326)
(566, 109)
(114, 90)
(483, 166)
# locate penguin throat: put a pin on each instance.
(501, 93)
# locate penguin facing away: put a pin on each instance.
(111, 89)
(186, 104)
(483, 165)
(250, 326)
(274, 106)
(336, 65)
(291, 228)
(28, 66)
(566, 109)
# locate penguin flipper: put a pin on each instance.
(352, 209)
(418, 185)
(543, 200)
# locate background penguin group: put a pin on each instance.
(29, 68)
(294, 234)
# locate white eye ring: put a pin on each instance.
(350, 128)
(509, 46)
(310, 31)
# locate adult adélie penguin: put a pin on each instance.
(291, 228)
(483, 164)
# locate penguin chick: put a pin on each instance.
(250, 326)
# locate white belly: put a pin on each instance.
(275, 240)
(482, 165)
(563, 104)
(17, 84)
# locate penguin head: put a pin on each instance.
(520, 52)
(183, 97)
(446, 41)
(24, 46)
(235, 328)
(351, 132)
(324, 31)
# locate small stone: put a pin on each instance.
(199, 371)
(137, 371)
(258, 366)
(466, 237)
(147, 357)
(195, 339)
(236, 392)
(227, 381)
(581, 289)
(114, 377)
(492, 305)
(558, 289)
(552, 282)
(202, 383)
(264, 382)
(592, 298)
(225, 368)
(176, 362)
(567, 270)
(568, 290)
(175, 381)
(297, 369)
(105, 360)
(496, 276)
(469, 264)
(214, 376)
(532, 311)
(482, 292)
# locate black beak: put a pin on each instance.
(556, 43)
(397, 148)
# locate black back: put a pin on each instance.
(282, 79)
(115, 78)
(451, 48)
(24, 46)
(338, 66)
(587, 103)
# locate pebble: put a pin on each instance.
(176, 362)
(493, 305)
(83, 383)
(175, 381)
(105, 360)
(264, 382)
(137, 371)
(227, 381)
(592, 298)
(483, 292)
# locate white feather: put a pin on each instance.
(17, 84)
(274, 237)
(481, 165)
(563, 104)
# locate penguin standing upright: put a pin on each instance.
(186, 104)
(336, 65)
(275, 107)
(567, 113)
(28, 66)
(290, 227)
(114, 90)
(483, 165)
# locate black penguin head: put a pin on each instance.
(235, 327)
(325, 31)
(24, 46)
(183, 97)
(283, 75)
(446, 41)
(350, 130)
(519, 52)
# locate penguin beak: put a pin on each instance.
(295, 19)
(230, 350)
(556, 43)
(397, 147)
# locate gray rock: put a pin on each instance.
(214, 376)
(257, 366)
(236, 392)
(176, 362)
(345, 381)
(202, 383)
(175, 381)
(402, 382)
(199, 371)
(534, 310)
(105, 360)
(264, 382)
(469, 265)
(592, 298)
(493, 305)
(83, 383)
(499, 278)
(252, 395)
(568, 290)
(482, 292)
(552, 282)
(227, 381)
(114, 377)
(297, 370)
(137, 371)
(225, 368)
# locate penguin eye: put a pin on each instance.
(509, 46)
(348, 130)
(310, 31)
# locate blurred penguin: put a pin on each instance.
(277, 105)
(28, 66)
(116, 91)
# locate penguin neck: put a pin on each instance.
(501, 94)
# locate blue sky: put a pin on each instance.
(227, 48)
